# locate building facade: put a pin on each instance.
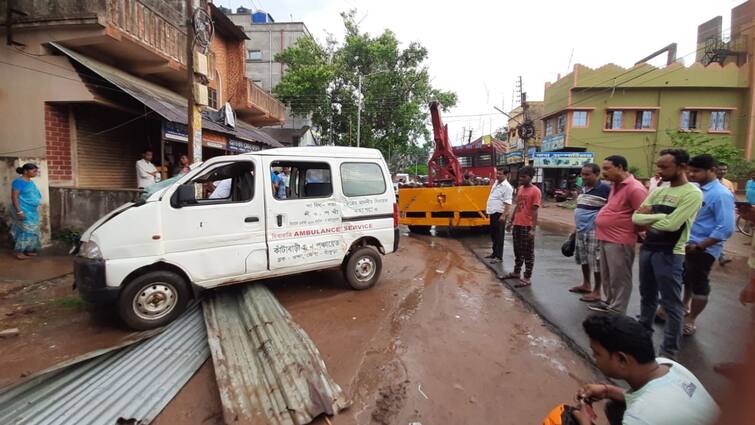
(267, 38)
(636, 112)
(89, 85)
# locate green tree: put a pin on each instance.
(322, 81)
(721, 150)
(501, 134)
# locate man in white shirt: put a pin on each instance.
(146, 173)
(662, 392)
(499, 202)
(222, 189)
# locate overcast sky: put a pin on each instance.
(479, 48)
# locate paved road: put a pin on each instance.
(719, 328)
(438, 340)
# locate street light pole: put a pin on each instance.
(359, 112)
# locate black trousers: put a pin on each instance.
(497, 232)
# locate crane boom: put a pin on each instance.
(443, 167)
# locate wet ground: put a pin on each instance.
(438, 340)
(719, 329)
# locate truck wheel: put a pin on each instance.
(363, 268)
(152, 300)
(420, 230)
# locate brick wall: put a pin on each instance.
(58, 140)
(229, 62)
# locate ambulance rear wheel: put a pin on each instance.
(152, 300)
(420, 230)
(363, 268)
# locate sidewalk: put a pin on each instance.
(38, 269)
(720, 327)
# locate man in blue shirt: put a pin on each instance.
(593, 196)
(714, 225)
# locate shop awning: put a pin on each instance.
(168, 104)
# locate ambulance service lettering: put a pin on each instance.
(320, 231)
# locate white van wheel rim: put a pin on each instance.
(364, 269)
(155, 301)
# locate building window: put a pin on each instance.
(254, 55)
(579, 119)
(465, 161)
(614, 120)
(719, 121)
(548, 127)
(212, 98)
(643, 120)
(689, 120)
(561, 124)
(211, 66)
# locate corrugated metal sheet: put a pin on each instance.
(132, 383)
(268, 370)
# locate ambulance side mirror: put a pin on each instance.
(185, 195)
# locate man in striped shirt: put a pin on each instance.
(587, 248)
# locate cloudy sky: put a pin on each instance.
(479, 48)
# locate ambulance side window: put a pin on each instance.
(300, 180)
(225, 184)
(362, 179)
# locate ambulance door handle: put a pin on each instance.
(280, 220)
(251, 220)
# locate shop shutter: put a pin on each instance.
(107, 159)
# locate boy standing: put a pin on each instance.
(522, 225)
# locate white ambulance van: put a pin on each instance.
(228, 221)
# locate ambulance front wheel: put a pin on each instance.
(363, 268)
(152, 300)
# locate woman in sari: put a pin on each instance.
(26, 200)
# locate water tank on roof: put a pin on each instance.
(243, 11)
(262, 17)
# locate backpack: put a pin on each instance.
(560, 415)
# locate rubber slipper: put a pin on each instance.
(523, 282)
(689, 330)
(579, 290)
(589, 299)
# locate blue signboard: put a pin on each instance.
(553, 142)
(562, 159)
(514, 157)
(531, 152)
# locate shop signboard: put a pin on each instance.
(213, 144)
(553, 142)
(240, 146)
(531, 152)
(562, 159)
(514, 157)
(175, 131)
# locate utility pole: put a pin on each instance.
(194, 119)
(525, 108)
(359, 111)
(199, 32)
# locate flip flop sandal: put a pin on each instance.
(579, 290)
(689, 330)
(589, 299)
(523, 283)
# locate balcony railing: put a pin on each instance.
(266, 103)
(157, 24)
